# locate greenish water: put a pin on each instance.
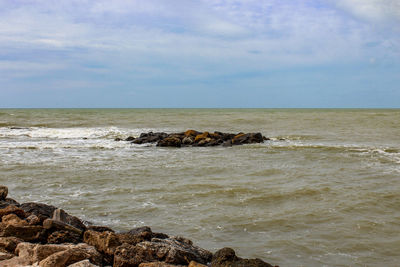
(324, 191)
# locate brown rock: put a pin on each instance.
(30, 233)
(84, 263)
(3, 192)
(15, 262)
(34, 220)
(171, 250)
(60, 237)
(159, 264)
(226, 257)
(12, 209)
(7, 202)
(191, 133)
(202, 136)
(12, 219)
(105, 242)
(9, 243)
(60, 215)
(35, 252)
(196, 264)
(72, 255)
(98, 228)
(188, 140)
(6, 256)
(54, 225)
(171, 141)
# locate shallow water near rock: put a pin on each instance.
(324, 191)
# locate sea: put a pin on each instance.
(323, 191)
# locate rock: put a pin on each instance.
(187, 140)
(60, 237)
(159, 264)
(5, 256)
(30, 233)
(191, 133)
(34, 220)
(7, 202)
(150, 137)
(196, 264)
(9, 243)
(118, 139)
(98, 228)
(3, 192)
(53, 225)
(73, 254)
(11, 209)
(226, 257)
(12, 219)
(140, 230)
(171, 141)
(202, 136)
(60, 215)
(105, 242)
(40, 210)
(36, 252)
(84, 263)
(248, 138)
(15, 262)
(130, 138)
(170, 250)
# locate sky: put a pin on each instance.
(200, 54)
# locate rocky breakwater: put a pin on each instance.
(195, 138)
(37, 234)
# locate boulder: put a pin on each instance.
(159, 264)
(60, 237)
(226, 257)
(5, 256)
(9, 243)
(191, 133)
(201, 136)
(248, 138)
(3, 192)
(32, 253)
(171, 141)
(60, 215)
(105, 242)
(12, 219)
(129, 138)
(73, 254)
(84, 263)
(173, 250)
(98, 228)
(11, 209)
(35, 220)
(196, 264)
(30, 233)
(8, 201)
(54, 225)
(150, 137)
(187, 140)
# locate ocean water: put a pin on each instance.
(324, 191)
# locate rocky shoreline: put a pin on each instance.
(196, 138)
(37, 234)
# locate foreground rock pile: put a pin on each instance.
(36, 234)
(195, 138)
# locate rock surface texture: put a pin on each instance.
(195, 138)
(36, 234)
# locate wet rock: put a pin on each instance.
(3, 192)
(12, 219)
(248, 138)
(201, 136)
(187, 140)
(11, 209)
(118, 139)
(60, 237)
(136, 235)
(171, 141)
(105, 242)
(150, 137)
(130, 138)
(171, 250)
(7, 202)
(9, 243)
(34, 220)
(191, 133)
(73, 254)
(54, 225)
(226, 257)
(30, 233)
(60, 215)
(84, 263)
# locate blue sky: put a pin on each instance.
(220, 53)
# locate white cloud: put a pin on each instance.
(378, 10)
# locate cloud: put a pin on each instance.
(376, 10)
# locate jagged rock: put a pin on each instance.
(30, 233)
(60, 215)
(7, 202)
(34, 220)
(105, 242)
(150, 137)
(53, 225)
(84, 263)
(226, 257)
(15, 262)
(9, 243)
(40, 210)
(5, 256)
(196, 264)
(159, 264)
(12, 219)
(170, 250)
(73, 254)
(201, 136)
(3, 192)
(136, 235)
(32, 253)
(248, 138)
(191, 133)
(130, 138)
(60, 237)
(187, 140)
(171, 141)
(11, 209)
(98, 228)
